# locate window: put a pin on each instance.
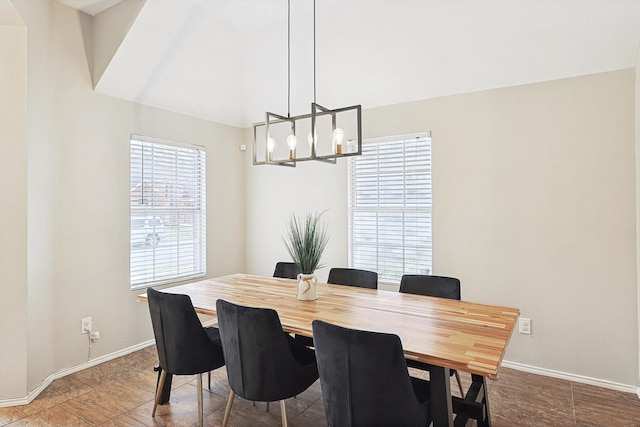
(390, 207)
(168, 215)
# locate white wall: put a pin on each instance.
(534, 207)
(273, 193)
(78, 193)
(41, 197)
(13, 201)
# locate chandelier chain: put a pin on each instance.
(332, 132)
(289, 58)
(314, 51)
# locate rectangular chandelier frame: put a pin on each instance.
(316, 111)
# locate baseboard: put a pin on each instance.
(98, 360)
(572, 377)
(88, 364)
(70, 370)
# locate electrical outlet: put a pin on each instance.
(524, 326)
(86, 325)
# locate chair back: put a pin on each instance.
(260, 363)
(431, 286)
(353, 277)
(364, 379)
(182, 343)
(286, 270)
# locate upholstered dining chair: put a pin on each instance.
(365, 380)
(353, 277)
(184, 346)
(286, 270)
(263, 363)
(432, 286)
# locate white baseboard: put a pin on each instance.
(70, 370)
(572, 377)
(88, 364)
(98, 360)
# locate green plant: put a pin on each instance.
(306, 240)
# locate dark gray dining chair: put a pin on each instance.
(365, 380)
(263, 363)
(432, 286)
(286, 270)
(184, 346)
(353, 277)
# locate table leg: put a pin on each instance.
(166, 389)
(474, 406)
(485, 400)
(441, 406)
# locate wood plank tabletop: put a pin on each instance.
(462, 335)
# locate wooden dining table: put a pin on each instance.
(447, 334)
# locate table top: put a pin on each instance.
(461, 335)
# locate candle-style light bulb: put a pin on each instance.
(292, 141)
(338, 137)
(271, 144)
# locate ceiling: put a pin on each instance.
(90, 7)
(226, 60)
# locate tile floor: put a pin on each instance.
(120, 393)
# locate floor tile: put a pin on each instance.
(53, 416)
(313, 416)
(600, 407)
(182, 409)
(57, 392)
(527, 400)
(120, 393)
(11, 414)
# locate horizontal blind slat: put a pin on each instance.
(168, 212)
(389, 196)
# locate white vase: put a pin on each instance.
(307, 289)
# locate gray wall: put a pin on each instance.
(533, 207)
(78, 203)
(13, 200)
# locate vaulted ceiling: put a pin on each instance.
(226, 60)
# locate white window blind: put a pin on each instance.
(168, 212)
(390, 207)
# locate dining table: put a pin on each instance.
(445, 333)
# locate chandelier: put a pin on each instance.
(329, 133)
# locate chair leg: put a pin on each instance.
(200, 421)
(163, 376)
(227, 411)
(267, 406)
(459, 384)
(209, 379)
(283, 413)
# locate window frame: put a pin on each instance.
(353, 208)
(152, 214)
